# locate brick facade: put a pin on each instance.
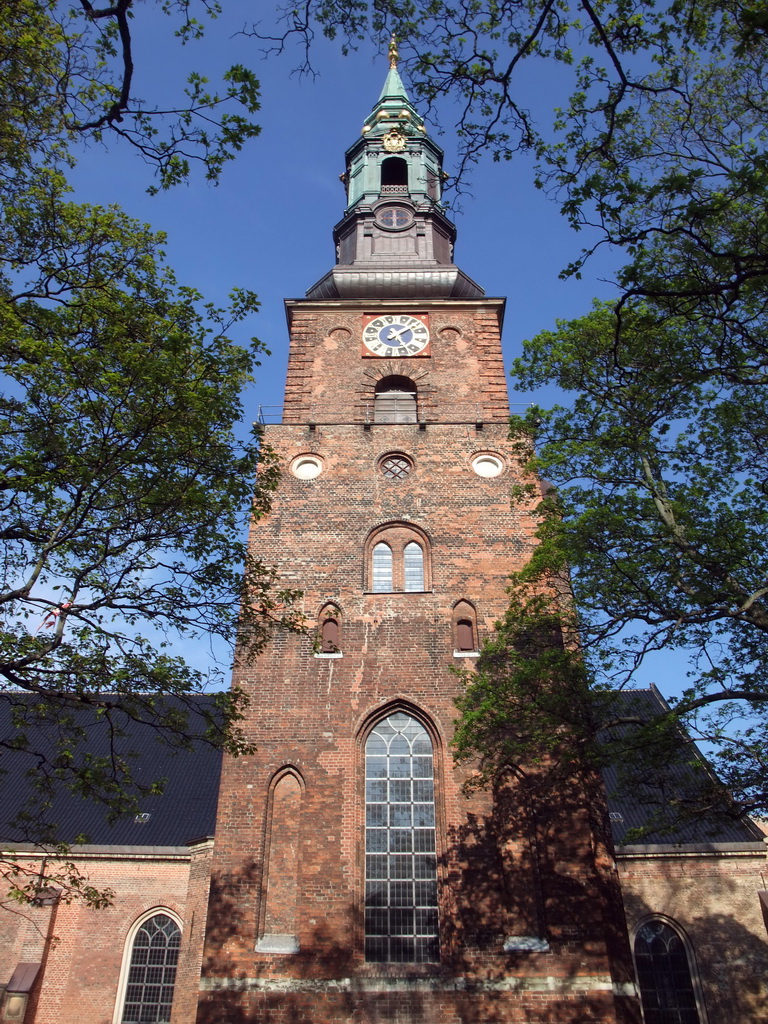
(711, 894)
(81, 951)
(501, 881)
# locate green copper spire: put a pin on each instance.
(393, 109)
(393, 86)
(394, 239)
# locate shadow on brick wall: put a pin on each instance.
(533, 871)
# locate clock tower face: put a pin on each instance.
(395, 334)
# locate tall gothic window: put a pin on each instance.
(152, 972)
(400, 863)
(664, 975)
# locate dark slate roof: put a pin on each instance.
(186, 810)
(632, 802)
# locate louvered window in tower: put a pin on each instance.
(395, 400)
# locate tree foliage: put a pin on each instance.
(125, 487)
(67, 76)
(655, 531)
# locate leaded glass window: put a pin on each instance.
(400, 862)
(395, 467)
(413, 563)
(382, 569)
(664, 977)
(152, 973)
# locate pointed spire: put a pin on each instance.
(393, 105)
(394, 56)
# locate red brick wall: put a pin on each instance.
(714, 899)
(193, 934)
(330, 380)
(81, 950)
(312, 713)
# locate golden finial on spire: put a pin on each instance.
(394, 56)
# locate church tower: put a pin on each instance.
(354, 880)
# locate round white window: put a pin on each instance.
(487, 465)
(307, 467)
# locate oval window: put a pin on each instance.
(307, 467)
(487, 465)
(394, 217)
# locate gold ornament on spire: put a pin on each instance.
(394, 56)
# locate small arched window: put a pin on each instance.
(395, 400)
(664, 975)
(152, 971)
(381, 575)
(329, 636)
(413, 568)
(464, 628)
(465, 640)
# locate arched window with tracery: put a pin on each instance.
(152, 971)
(395, 400)
(397, 560)
(401, 923)
(663, 966)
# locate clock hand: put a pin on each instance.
(395, 334)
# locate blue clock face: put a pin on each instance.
(396, 334)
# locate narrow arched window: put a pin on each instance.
(464, 628)
(329, 636)
(664, 975)
(152, 972)
(465, 636)
(413, 567)
(395, 400)
(400, 862)
(382, 569)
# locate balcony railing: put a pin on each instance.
(459, 413)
